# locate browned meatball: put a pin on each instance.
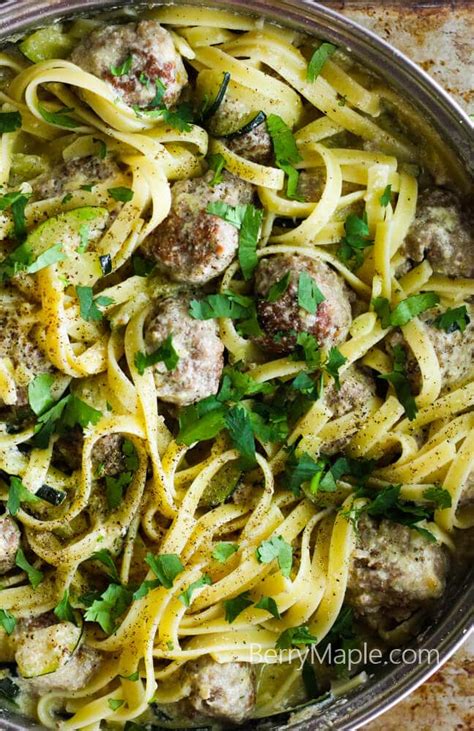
(18, 343)
(9, 543)
(282, 319)
(310, 185)
(107, 455)
(454, 351)
(69, 176)
(222, 691)
(443, 233)
(255, 145)
(192, 245)
(357, 388)
(394, 571)
(153, 58)
(200, 350)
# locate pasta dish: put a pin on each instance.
(236, 375)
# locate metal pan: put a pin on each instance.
(454, 617)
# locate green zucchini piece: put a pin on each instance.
(47, 649)
(26, 167)
(248, 127)
(65, 229)
(51, 495)
(47, 43)
(222, 485)
(219, 98)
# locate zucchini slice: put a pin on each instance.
(222, 485)
(47, 43)
(47, 649)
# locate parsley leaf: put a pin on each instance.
(453, 319)
(9, 121)
(217, 164)
(165, 566)
(88, 304)
(160, 91)
(18, 494)
(224, 550)
(276, 548)
(180, 118)
(84, 233)
(269, 605)
(142, 267)
(307, 349)
(109, 607)
(295, 636)
(79, 412)
(318, 59)
(406, 310)
(123, 68)
(7, 621)
(234, 607)
(309, 294)
(124, 195)
(300, 469)
(334, 362)
(35, 576)
(39, 393)
(248, 220)
(356, 239)
(237, 421)
(198, 424)
(186, 595)
(228, 304)
(64, 611)
(114, 488)
(286, 152)
(105, 558)
(60, 117)
(399, 380)
(278, 289)
(165, 353)
(115, 703)
(386, 196)
(130, 455)
(51, 256)
(439, 496)
(307, 386)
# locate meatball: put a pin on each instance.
(310, 185)
(357, 388)
(200, 351)
(454, 351)
(145, 53)
(9, 543)
(69, 176)
(18, 343)
(394, 571)
(255, 145)
(35, 644)
(192, 245)
(107, 455)
(283, 319)
(443, 232)
(222, 691)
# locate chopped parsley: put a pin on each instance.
(386, 196)
(84, 233)
(165, 353)
(453, 319)
(294, 637)
(35, 576)
(104, 557)
(286, 152)
(318, 59)
(9, 121)
(160, 91)
(7, 621)
(399, 380)
(309, 294)
(114, 488)
(227, 304)
(124, 195)
(248, 220)
(238, 424)
(60, 117)
(406, 310)
(17, 494)
(142, 267)
(334, 362)
(123, 68)
(65, 413)
(64, 611)
(355, 240)
(439, 496)
(269, 605)
(180, 118)
(216, 163)
(115, 703)
(89, 305)
(186, 595)
(276, 548)
(224, 550)
(234, 607)
(278, 289)
(110, 605)
(39, 393)
(165, 566)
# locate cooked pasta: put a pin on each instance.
(236, 377)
